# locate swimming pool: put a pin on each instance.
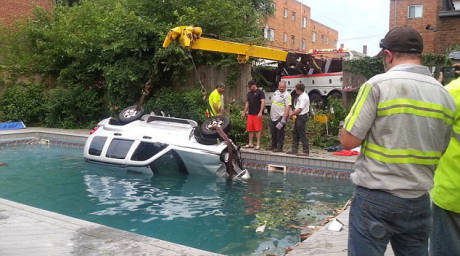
(198, 211)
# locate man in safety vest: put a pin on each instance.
(403, 120)
(279, 112)
(445, 196)
(216, 100)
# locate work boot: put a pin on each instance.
(292, 152)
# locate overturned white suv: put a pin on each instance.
(138, 141)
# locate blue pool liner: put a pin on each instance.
(12, 125)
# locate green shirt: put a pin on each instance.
(446, 191)
(215, 98)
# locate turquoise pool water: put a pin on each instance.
(197, 211)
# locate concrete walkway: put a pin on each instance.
(329, 243)
(26, 230)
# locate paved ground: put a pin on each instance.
(26, 230)
(77, 132)
(328, 243)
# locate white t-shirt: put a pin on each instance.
(303, 102)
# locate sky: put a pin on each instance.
(359, 22)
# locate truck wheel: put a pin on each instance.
(208, 132)
(316, 101)
(130, 114)
(335, 94)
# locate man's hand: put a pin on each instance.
(259, 115)
(243, 115)
(283, 120)
(457, 68)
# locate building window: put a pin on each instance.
(303, 44)
(271, 35)
(293, 16)
(292, 40)
(327, 40)
(285, 13)
(313, 37)
(304, 22)
(415, 11)
(322, 38)
(285, 38)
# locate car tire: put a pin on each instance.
(207, 132)
(130, 114)
(200, 139)
(316, 101)
(335, 94)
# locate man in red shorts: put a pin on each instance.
(254, 108)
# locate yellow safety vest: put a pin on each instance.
(446, 190)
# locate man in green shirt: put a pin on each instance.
(445, 195)
(216, 100)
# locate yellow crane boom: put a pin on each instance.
(190, 38)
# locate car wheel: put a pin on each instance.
(316, 101)
(130, 114)
(206, 127)
(335, 94)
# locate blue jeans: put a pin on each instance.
(378, 217)
(445, 237)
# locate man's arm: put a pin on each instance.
(246, 106)
(347, 140)
(361, 117)
(262, 105)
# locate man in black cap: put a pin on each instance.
(403, 120)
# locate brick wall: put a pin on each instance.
(326, 38)
(446, 29)
(448, 33)
(11, 10)
(294, 28)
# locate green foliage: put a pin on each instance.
(25, 102)
(239, 134)
(177, 103)
(317, 131)
(367, 66)
(74, 107)
(109, 48)
(264, 76)
(432, 59)
(453, 48)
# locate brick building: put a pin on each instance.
(437, 20)
(291, 28)
(11, 10)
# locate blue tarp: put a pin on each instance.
(12, 126)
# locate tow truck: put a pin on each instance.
(320, 70)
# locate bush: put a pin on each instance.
(238, 132)
(74, 107)
(177, 103)
(25, 102)
(367, 66)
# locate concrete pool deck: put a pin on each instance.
(49, 233)
(329, 243)
(25, 230)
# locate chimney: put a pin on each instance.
(342, 46)
(365, 50)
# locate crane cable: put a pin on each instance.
(203, 89)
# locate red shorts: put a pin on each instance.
(254, 123)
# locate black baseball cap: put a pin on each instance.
(402, 39)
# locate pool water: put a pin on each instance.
(204, 212)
